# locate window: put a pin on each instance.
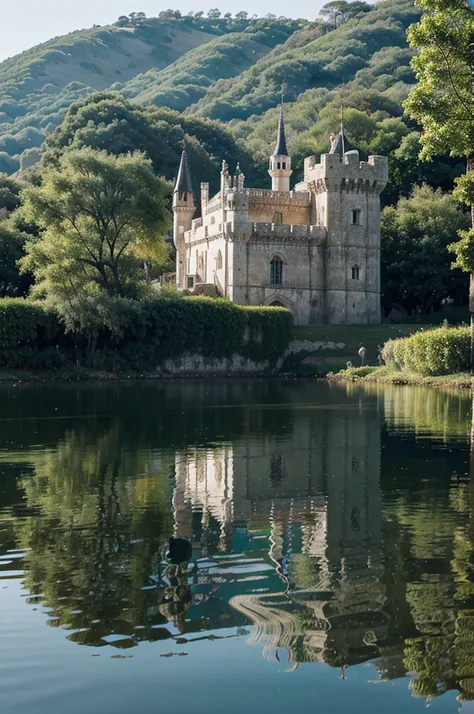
(219, 261)
(276, 271)
(190, 282)
(356, 217)
(277, 218)
(355, 272)
(213, 220)
(283, 165)
(278, 165)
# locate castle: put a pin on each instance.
(314, 249)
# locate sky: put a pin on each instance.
(25, 23)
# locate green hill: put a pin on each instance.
(227, 69)
(38, 86)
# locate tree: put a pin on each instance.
(214, 14)
(443, 101)
(106, 120)
(416, 234)
(102, 216)
(9, 193)
(12, 241)
(242, 15)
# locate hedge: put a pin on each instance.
(440, 351)
(145, 334)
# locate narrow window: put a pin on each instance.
(356, 217)
(355, 272)
(219, 260)
(276, 271)
(213, 220)
(278, 165)
(277, 218)
(284, 165)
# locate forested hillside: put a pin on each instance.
(230, 69)
(38, 86)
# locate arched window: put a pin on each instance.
(278, 165)
(219, 260)
(283, 165)
(277, 218)
(355, 272)
(276, 271)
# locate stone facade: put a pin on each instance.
(314, 249)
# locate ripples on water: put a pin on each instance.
(365, 494)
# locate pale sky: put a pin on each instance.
(25, 23)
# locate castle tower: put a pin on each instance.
(345, 197)
(280, 161)
(183, 211)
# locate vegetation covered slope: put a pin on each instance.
(189, 78)
(370, 49)
(38, 86)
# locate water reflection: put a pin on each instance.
(328, 524)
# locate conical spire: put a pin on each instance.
(183, 182)
(340, 144)
(280, 148)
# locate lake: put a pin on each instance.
(332, 534)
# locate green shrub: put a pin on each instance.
(28, 334)
(443, 350)
(138, 336)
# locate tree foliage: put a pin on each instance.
(107, 121)
(101, 217)
(416, 235)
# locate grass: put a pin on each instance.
(389, 375)
(353, 336)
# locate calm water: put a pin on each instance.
(365, 495)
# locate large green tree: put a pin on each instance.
(443, 100)
(416, 233)
(101, 217)
(107, 121)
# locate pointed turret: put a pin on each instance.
(183, 210)
(280, 148)
(183, 181)
(280, 161)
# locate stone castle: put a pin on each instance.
(314, 249)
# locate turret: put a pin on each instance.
(183, 211)
(280, 161)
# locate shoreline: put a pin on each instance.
(387, 375)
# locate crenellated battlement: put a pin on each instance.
(349, 172)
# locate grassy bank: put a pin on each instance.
(389, 375)
(341, 344)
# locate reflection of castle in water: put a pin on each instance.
(312, 495)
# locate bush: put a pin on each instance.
(138, 336)
(443, 350)
(30, 335)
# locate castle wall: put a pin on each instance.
(341, 188)
(302, 251)
(293, 207)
